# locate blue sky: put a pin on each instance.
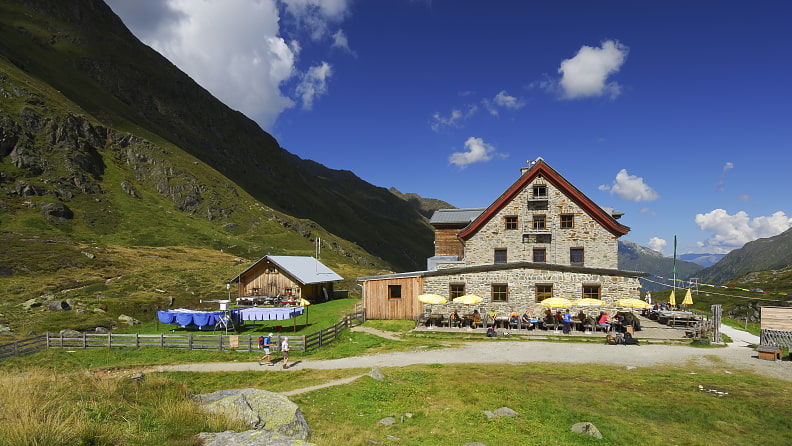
(677, 113)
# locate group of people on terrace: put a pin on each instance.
(548, 320)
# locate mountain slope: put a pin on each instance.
(82, 50)
(772, 253)
(634, 257)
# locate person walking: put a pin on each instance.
(265, 343)
(285, 352)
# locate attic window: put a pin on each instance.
(510, 221)
(539, 191)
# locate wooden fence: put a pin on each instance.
(190, 341)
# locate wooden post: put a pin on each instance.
(85, 341)
(162, 339)
(190, 341)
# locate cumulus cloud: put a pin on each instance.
(630, 187)
(587, 73)
(657, 244)
(236, 49)
(722, 181)
(502, 100)
(454, 119)
(340, 41)
(733, 231)
(476, 151)
(314, 84)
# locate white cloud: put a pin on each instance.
(314, 84)
(733, 231)
(657, 244)
(340, 41)
(630, 187)
(722, 181)
(454, 119)
(477, 151)
(236, 49)
(502, 100)
(587, 73)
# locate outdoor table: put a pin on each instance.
(673, 318)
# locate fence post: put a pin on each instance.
(220, 340)
(85, 341)
(190, 342)
(109, 340)
(137, 340)
(305, 344)
(162, 339)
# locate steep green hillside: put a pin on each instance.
(771, 253)
(83, 52)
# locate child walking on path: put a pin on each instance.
(285, 352)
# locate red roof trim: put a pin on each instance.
(553, 177)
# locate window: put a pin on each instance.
(591, 291)
(500, 255)
(567, 221)
(540, 255)
(540, 191)
(394, 291)
(539, 222)
(456, 290)
(543, 291)
(576, 256)
(500, 292)
(537, 238)
(510, 221)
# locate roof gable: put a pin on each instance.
(304, 269)
(551, 176)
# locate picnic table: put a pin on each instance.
(674, 318)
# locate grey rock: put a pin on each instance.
(101, 330)
(377, 374)
(57, 305)
(250, 438)
(70, 333)
(586, 428)
(489, 414)
(259, 409)
(505, 412)
(56, 211)
(30, 304)
(387, 421)
(128, 320)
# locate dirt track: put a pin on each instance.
(737, 356)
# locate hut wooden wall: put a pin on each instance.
(448, 244)
(268, 283)
(378, 306)
(776, 318)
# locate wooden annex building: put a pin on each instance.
(540, 238)
(296, 277)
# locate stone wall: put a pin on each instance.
(600, 246)
(522, 287)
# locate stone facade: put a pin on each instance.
(600, 247)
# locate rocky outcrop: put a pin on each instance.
(262, 411)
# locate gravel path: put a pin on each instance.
(737, 356)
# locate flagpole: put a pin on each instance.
(675, 243)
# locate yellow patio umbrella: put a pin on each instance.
(688, 300)
(303, 303)
(631, 302)
(556, 302)
(432, 299)
(672, 299)
(588, 302)
(468, 299)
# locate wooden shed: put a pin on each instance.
(777, 318)
(297, 277)
(393, 296)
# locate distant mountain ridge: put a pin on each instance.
(634, 257)
(704, 260)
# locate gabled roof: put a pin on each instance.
(455, 216)
(552, 177)
(304, 269)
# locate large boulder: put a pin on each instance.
(249, 438)
(259, 409)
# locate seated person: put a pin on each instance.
(456, 319)
(525, 320)
(604, 321)
(581, 316)
(548, 318)
(491, 315)
(475, 319)
(514, 317)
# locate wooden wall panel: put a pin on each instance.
(776, 318)
(448, 244)
(378, 306)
